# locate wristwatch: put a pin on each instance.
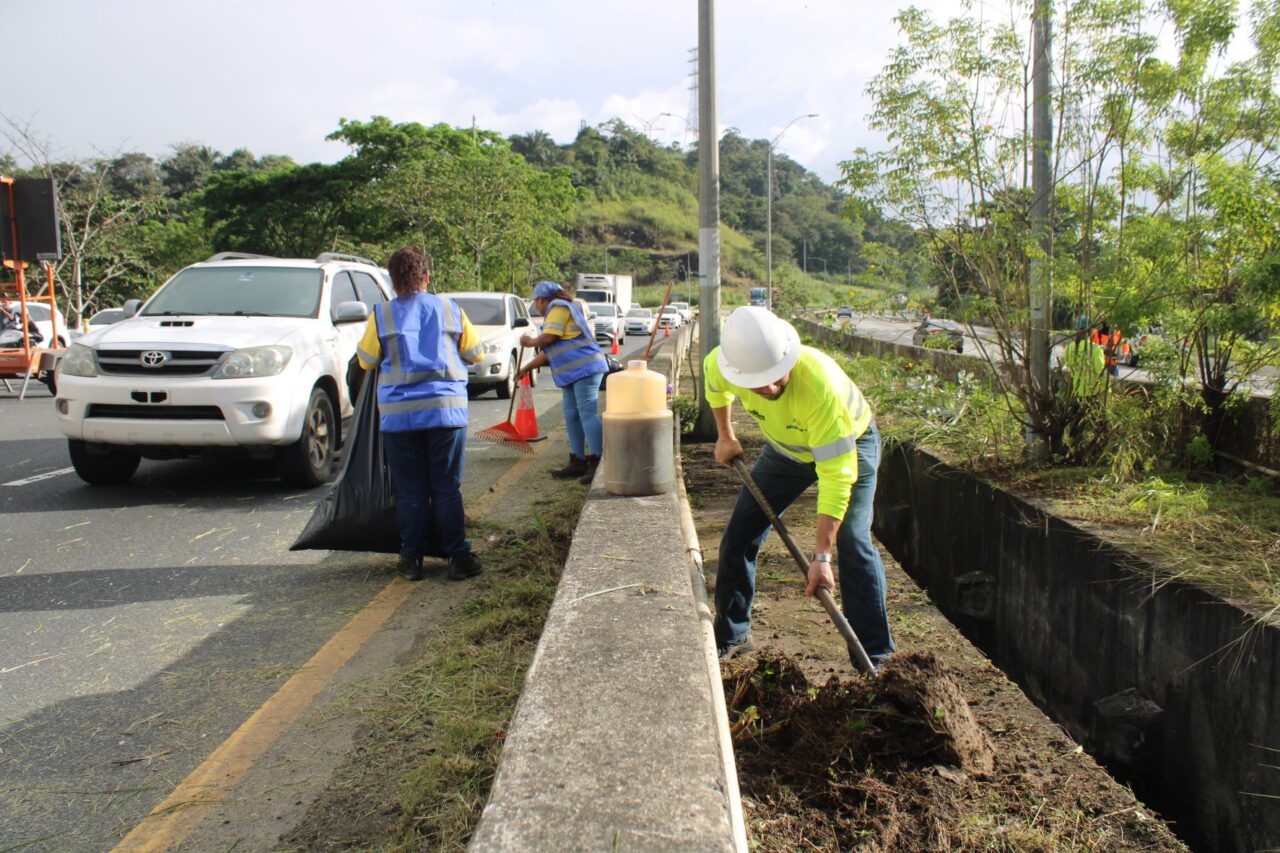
(822, 557)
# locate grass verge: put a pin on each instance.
(422, 771)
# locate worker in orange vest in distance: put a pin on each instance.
(1110, 341)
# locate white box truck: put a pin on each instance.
(605, 287)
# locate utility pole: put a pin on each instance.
(1040, 290)
(708, 208)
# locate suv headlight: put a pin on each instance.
(79, 361)
(491, 347)
(254, 361)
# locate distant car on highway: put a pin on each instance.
(934, 334)
(640, 321)
(670, 318)
(102, 319)
(609, 323)
(844, 312)
(686, 313)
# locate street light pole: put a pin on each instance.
(768, 212)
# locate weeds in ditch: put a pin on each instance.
(1219, 533)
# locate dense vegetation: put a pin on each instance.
(492, 212)
(1166, 190)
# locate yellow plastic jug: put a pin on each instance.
(639, 453)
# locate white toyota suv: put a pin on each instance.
(239, 353)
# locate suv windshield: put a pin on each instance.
(639, 312)
(482, 312)
(270, 291)
(605, 310)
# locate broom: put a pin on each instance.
(505, 434)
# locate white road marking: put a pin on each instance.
(48, 475)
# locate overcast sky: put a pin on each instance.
(275, 76)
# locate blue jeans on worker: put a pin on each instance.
(861, 572)
(582, 415)
(426, 470)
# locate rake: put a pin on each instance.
(505, 434)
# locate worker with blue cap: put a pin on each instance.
(577, 367)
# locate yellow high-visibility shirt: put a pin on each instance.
(369, 350)
(818, 419)
(559, 322)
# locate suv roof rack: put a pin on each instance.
(235, 256)
(338, 256)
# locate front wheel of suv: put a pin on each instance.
(308, 462)
(102, 469)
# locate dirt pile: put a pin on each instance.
(894, 763)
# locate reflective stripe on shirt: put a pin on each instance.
(399, 407)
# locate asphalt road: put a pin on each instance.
(144, 623)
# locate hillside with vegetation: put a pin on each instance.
(494, 213)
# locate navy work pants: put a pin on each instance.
(426, 470)
(861, 572)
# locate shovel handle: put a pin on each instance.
(857, 654)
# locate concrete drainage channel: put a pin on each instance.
(620, 739)
(1176, 690)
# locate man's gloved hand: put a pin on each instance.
(819, 576)
(727, 449)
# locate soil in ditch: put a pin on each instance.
(939, 752)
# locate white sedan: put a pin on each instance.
(640, 321)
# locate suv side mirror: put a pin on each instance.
(131, 307)
(519, 322)
(350, 312)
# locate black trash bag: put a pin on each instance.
(359, 512)
(614, 366)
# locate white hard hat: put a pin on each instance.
(757, 348)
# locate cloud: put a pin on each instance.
(276, 77)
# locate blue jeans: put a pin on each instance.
(426, 470)
(861, 573)
(582, 415)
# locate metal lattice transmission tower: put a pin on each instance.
(691, 117)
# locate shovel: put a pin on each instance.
(857, 654)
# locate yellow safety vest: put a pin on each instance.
(817, 420)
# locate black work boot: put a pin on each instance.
(593, 462)
(576, 468)
(410, 568)
(463, 567)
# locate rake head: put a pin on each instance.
(505, 434)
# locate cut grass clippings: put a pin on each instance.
(437, 735)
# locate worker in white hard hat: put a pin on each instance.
(819, 430)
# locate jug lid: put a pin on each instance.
(637, 364)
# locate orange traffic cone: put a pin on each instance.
(666, 331)
(526, 421)
(614, 349)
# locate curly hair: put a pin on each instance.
(408, 266)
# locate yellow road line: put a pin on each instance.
(187, 805)
(180, 812)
